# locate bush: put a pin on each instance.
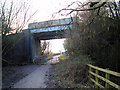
(99, 41)
(72, 73)
(36, 60)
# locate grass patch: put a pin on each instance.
(72, 73)
(54, 54)
(62, 58)
(49, 57)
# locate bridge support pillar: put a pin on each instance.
(35, 47)
(27, 45)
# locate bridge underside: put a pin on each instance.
(50, 35)
(34, 41)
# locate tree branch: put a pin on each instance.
(92, 8)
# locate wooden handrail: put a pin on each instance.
(105, 79)
(105, 70)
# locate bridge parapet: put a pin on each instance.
(55, 28)
(50, 23)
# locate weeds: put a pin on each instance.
(72, 73)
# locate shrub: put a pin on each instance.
(72, 73)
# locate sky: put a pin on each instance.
(56, 45)
(45, 8)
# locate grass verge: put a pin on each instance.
(72, 73)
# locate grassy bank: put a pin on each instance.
(72, 72)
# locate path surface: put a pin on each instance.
(54, 60)
(38, 78)
(12, 74)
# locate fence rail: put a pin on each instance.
(105, 79)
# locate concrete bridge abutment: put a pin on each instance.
(32, 46)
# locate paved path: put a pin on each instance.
(13, 74)
(34, 80)
(37, 78)
(54, 60)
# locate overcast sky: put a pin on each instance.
(47, 7)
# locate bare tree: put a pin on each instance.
(45, 47)
(82, 7)
(14, 17)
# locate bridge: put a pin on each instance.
(28, 46)
(52, 29)
(46, 30)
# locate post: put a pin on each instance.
(90, 76)
(96, 79)
(107, 77)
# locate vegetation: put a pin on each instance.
(13, 18)
(97, 35)
(94, 38)
(54, 54)
(72, 73)
(45, 47)
(45, 50)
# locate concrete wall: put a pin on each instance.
(32, 46)
(24, 50)
(27, 45)
(35, 47)
(16, 52)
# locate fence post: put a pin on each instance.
(96, 79)
(107, 77)
(90, 76)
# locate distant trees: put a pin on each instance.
(96, 34)
(45, 47)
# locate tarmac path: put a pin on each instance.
(37, 78)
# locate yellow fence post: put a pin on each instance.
(96, 79)
(90, 76)
(107, 77)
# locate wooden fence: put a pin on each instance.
(106, 79)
